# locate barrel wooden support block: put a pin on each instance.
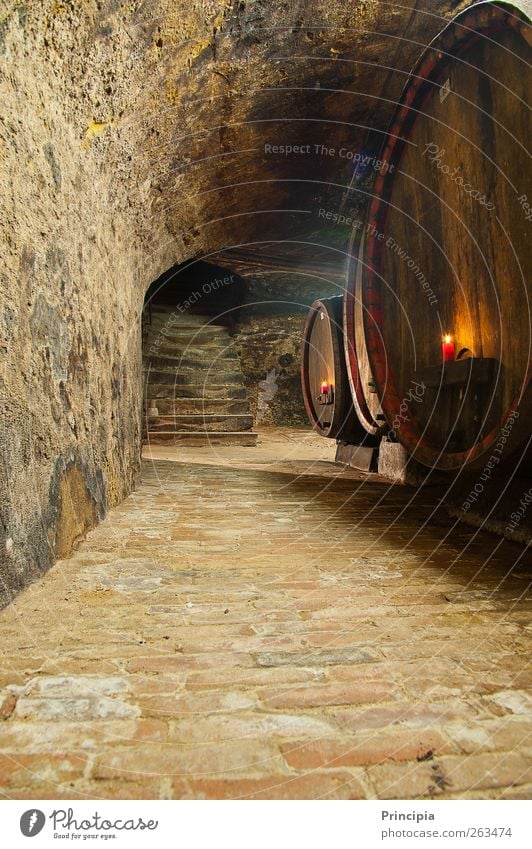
(396, 465)
(448, 245)
(359, 457)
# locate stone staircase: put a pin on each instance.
(194, 390)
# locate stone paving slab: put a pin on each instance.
(268, 627)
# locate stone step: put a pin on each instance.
(187, 348)
(205, 331)
(182, 316)
(202, 406)
(194, 377)
(209, 392)
(197, 439)
(199, 424)
(173, 325)
(160, 308)
(152, 342)
(179, 336)
(185, 363)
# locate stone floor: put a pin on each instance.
(255, 623)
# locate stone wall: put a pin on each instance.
(269, 349)
(133, 138)
(268, 338)
(70, 286)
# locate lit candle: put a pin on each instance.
(324, 388)
(447, 348)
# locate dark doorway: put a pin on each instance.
(200, 288)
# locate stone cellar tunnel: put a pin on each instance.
(265, 338)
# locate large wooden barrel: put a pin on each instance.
(323, 374)
(363, 388)
(448, 246)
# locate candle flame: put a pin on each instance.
(447, 338)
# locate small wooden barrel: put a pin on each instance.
(448, 247)
(323, 374)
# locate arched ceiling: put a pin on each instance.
(160, 114)
(226, 105)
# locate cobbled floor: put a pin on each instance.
(254, 624)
